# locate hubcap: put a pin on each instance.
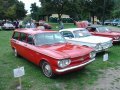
(47, 69)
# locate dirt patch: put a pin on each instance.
(109, 80)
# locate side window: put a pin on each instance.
(16, 35)
(67, 34)
(30, 40)
(92, 29)
(88, 28)
(23, 37)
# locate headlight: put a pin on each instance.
(98, 47)
(63, 63)
(92, 54)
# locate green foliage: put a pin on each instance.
(116, 10)
(34, 11)
(20, 10)
(79, 9)
(12, 9)
(99, 8)
(55, 6)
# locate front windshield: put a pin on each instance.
(103, 29)
(48, 38)
(81, 33)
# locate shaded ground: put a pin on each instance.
(109, 80)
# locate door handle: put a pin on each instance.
(25, 44)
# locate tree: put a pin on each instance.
(100, 8)
(83, 9)
(12, 9)
(20, 10)
(116, 10)
(34, 11)
(55, 6)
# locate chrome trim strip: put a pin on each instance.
(74, 67)
(116, 40)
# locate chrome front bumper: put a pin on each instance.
(103, 49)
(74, 67)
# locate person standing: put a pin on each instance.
(61, 25)
(17, 24)
(33, 24)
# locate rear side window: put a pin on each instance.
(67, 34)
(16, 35)
(91, 29)
(30, 40)
(23, 37)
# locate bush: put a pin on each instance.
(65, 20)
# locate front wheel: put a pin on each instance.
(46, 68)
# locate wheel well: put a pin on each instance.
(13, 48)
(41, 61)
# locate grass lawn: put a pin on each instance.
(35, 80)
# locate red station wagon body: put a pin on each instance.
(73, 56)
(99, 30)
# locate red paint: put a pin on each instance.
(50, 53)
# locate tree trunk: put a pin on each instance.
(93, 19)
(59, 16)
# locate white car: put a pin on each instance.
(82, 36)
(8, 25)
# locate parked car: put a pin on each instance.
(46, 25)
(115, 22)
(50, 51)
(81, 36)
(104, 31)
(118, 24)
(8, 25)
(108, 22)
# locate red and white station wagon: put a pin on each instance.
(50, 51)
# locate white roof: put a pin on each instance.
(72, 29)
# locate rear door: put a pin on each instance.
(15, 42)
(31, 50)
(22, 43)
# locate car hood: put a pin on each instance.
(92, 39)
(62, 51)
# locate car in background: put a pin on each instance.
(8, 26)
(99, 30)
(46, 25)
(82, 36)
(107, 22)
(118, 24)
(49, 50)
(115, 22)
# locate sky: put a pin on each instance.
(28, 4)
